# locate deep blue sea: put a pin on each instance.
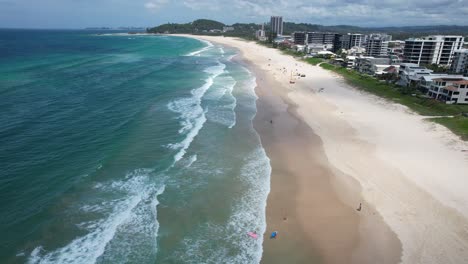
(119, 148)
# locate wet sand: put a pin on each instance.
(306, 203)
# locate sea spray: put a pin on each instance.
(191, 112)
(132, 218)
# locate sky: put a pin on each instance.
(147, 13)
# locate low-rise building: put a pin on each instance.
(350, 62)
(227, 29)
(450, 90)
(372, 66)
(425, 82)
(314, 48)
(355, 51)
(410, 73)
(260, 34)
(390, 73)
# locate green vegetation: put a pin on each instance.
(204, 26)
(436, 68)
(314, 61)
(196, 26)
(458, 125)
(292, 52)
(402, 95)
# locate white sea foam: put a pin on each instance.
(215, 240)
(126, 215)
(231, 57)
(198, 52)
(191, 160)
(212, 241)
(192, 113)
(223, 103)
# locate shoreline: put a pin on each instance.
(412, 208)
(320, 226)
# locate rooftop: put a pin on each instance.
(448, 79)
(451, 88)
(465, 81)
(439, 76)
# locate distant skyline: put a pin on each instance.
(145, 13)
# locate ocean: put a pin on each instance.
(119, 148)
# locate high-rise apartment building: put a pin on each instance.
(277, 25)
(300, 38)
(432, 49)
(460, 61)
(351, 40)
(376, 46)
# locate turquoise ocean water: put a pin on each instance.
(127, 149)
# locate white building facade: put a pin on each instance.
(376, 47)
(411, 73)
(432, 49)
(450, 90)
(460, 62)
(351, 40)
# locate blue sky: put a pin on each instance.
(114, 13)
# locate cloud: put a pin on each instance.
(200, 5)
(356, 12)
(326, 12)
(155, 5)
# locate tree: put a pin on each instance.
(271, 36)
(436, 68)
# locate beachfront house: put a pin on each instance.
(425, 82)
(450, 90)
(372, 66)
(350, 62)
(410, 74)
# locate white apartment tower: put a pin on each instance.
(460, 62)
(432, 49)
(277, 25)
(376, 47)
(351, 40)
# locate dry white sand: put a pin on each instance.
(412, 171)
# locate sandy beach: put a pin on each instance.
(333, 148)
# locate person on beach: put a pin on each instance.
(274, 235)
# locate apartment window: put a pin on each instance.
(456, 93)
